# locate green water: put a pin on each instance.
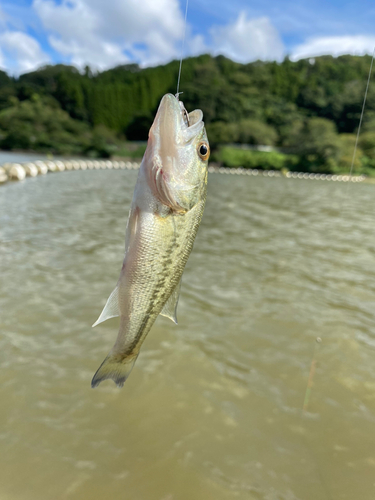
(213, 407)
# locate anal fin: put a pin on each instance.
(111, 309)
(170, 308)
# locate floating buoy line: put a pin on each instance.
(19, 171)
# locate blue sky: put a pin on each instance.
(104, 33)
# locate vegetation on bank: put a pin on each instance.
(307, 111)
(230, 156)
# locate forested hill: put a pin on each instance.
(269, 103)
(277, 94)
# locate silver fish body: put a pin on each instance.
(165, 214)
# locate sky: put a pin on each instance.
(106, 33)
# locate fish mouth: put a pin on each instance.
(173, 122)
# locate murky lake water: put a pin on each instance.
(213, 407)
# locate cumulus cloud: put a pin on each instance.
(20, 52)
(248, 39)
(106, 33)
(103, 34)
(334, 45)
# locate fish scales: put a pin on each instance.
(162, 279)
(165, 215)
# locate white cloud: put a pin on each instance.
(248, 39)
(335, 46)
(20, 52)
(106, 33)
(103, 34)
(195, 46)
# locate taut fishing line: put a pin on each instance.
(319, 340)
(182, 50)
(362, 112)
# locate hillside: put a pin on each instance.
(309, 108)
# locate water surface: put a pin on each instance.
(213, 407)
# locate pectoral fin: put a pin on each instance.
(170, 308)
(111, 309)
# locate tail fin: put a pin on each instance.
(116, 368)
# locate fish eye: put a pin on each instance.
(204, 150)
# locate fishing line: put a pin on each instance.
(362, 112)
(319, 340)
(182, 50)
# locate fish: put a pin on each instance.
(165, 214)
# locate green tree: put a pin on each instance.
(318, 145)
(367, 143)
(256, 132)
(347, 144)
(222, 133)
(39, 125)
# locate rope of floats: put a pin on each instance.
(19, 171)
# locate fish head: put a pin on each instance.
(177, 155)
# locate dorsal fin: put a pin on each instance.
(170, 308)
(111, 309)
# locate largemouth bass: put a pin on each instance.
(165, 214)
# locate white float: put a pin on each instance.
(41, 167)
(51, 165)
(60, 166)
(3, 175)
(16, 172)
(7, 166)
(30, 169)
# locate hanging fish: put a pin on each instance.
(165, 214)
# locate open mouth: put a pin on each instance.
(185, 114)
(190, 119)
(174, 124)
(192, 122)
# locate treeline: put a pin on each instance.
(309, 108)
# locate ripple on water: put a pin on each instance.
(213, 408)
